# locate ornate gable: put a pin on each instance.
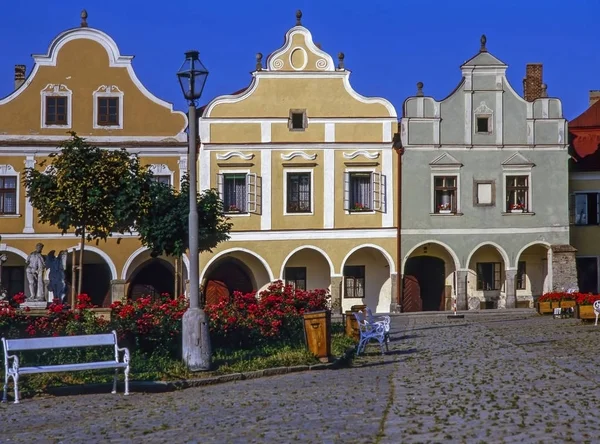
(517, 160)
(445, 160)
(299, 52)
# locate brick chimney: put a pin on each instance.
(594, 96)
(532, 83)
(19, 75)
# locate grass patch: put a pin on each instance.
(159, 366)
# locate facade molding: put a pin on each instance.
(306, 247)
(386, 255)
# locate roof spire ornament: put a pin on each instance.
(419, 89)
(298, 18)
(544, 90)
(259, 57)
(341, 61)
(84, 16)
(483, 41)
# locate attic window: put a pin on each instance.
(483, 125)
(297, 120)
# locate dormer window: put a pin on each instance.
(56, 110)
(483, 125)
(297, 120)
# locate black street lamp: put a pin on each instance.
(195, 334)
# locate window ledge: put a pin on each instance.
(10, 216)
(299, 214)
(518, 214)
(236, 214)
(446, 214)
(360, 212)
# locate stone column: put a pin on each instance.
(510, 288)
(394, 306)
(117, 289)
(336, 293)
(461, 289)
(564, 268)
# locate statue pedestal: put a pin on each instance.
(34, 305)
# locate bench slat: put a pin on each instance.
(59, 342)
(71, 367)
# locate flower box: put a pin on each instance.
(585, 312)
(516, 211)
(568, 304)
(544, 308)
(445, 211)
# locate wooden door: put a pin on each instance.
(411, 295)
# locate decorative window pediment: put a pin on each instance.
(367, 154)
(302, 154)
(445, 161)
(517, 161)
(238, 154)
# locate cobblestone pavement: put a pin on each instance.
(506, 377)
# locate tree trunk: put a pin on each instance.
(81, 247)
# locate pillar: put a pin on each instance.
(461, 289)
(394, 303)
(117, 289)
(564, 268)
(336, 293)
(510, 289)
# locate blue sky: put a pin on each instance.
(389, 44)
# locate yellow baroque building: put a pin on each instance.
(84, 84)
(306, 170)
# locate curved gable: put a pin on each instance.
(299, 75)
(85, 61)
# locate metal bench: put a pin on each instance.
(385, 320)
(14, 371)
(368, 331)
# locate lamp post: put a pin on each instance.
(195, 335)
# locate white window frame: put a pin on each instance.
(161, 169)
(56, 90)
(108, 91)
(518, 172)
(222, 173)
(483, 111)
(445, 173)
(287, 171)
(8, 170)
(347, 173)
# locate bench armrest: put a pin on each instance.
(126, 356)
(15, 364)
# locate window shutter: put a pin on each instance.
(378, 185)
(251, 192)
(220, 186)
(572, 208)
(346, 191)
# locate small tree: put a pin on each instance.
(90, 190)
(163, 226)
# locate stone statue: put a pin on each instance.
(3, 291)
(57, 265)
(35, 274)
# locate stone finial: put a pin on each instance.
(318, 45)
(544, 90)
(419, 89)
(84, 16)
(298, 18)
(483, 41)
(341, 60)
(259, 57)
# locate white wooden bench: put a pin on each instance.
(20, 345)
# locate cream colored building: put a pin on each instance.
(84, 84)
(307, 173)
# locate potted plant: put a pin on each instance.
(233, 209)
(444, 208)
(359, 207)
(548, 302)
(517, 208)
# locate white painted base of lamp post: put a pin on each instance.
(196, 341)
